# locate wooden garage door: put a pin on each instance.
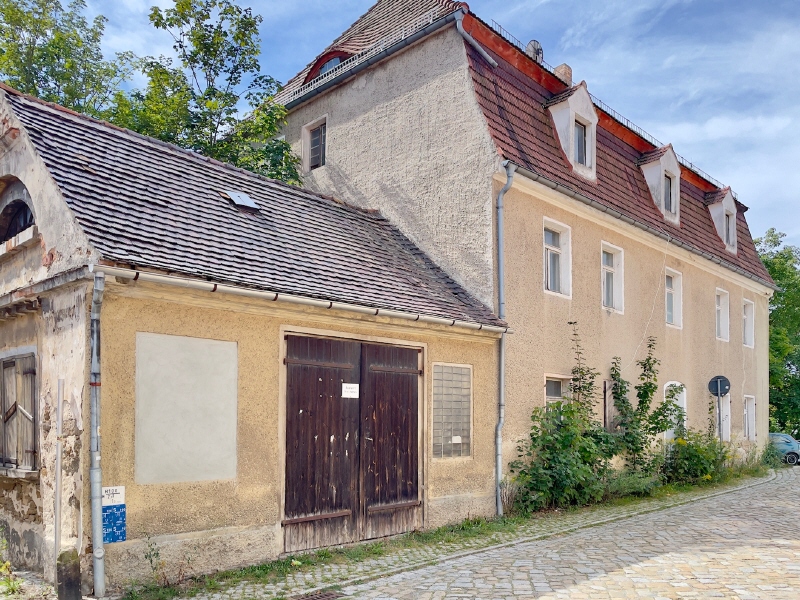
(351, 462)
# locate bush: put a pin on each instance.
(694, 457)
(631, 483)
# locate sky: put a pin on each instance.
(719, 79)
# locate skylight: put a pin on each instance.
(240, 199)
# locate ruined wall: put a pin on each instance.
(221, 524)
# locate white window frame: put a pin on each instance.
(618, 269)
(565, 233)
(575, 142)
(681, 401)
(722, 316)
(677, 298)
(565, 381)
(305, 142)
(748, 323)
(471, 413)
(729, 223)
(749, 420)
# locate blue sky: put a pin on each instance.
(719, 79)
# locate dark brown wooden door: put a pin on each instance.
(352, 464)
(390, 500)
(322, 428)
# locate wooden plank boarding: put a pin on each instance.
(352, 450)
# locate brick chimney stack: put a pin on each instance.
(564, 73)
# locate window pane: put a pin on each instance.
(580, 143)
(670, 308)
(608, 289)
(552, 238)
(667, 193)
(317, 154)
(727, 229)
(451, 411)
(553, 271)
(669, 282)
(554, 388)
(719, 319)
(608, 259)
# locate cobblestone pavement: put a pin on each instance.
(742, 544)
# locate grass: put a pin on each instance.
(278, 570)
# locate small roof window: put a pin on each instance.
(240, 199)
(335, 61)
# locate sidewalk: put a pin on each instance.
(399, 559)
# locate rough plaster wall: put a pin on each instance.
(20, 501)
(408, 138)
(225, 524)
(64, 246)
(692, 355)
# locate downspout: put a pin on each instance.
(471, 40)
(95, 474)
(501, 312)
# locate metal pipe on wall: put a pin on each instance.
(501, 313)
(95, 473)
(57, 506)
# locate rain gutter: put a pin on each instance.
(196, 284)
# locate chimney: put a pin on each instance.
(564, 73)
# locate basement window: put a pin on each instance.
(18, 402)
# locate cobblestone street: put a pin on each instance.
(744, 544)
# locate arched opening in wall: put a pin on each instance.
(15, 218)
(16, 208)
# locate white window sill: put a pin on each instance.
(751, 346)
(673, 326)
(719, 339)
(610, 310)
(558, 294)
(14, 473)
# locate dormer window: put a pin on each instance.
(580, 143)
(575, 121)
(336, 60)
(661, 170)
(723, 210)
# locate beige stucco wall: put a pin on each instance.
(223, 524)
(692, 355)
(408, 138)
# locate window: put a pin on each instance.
(329, 65)
(18, 423)
(728, 229)
(750, 418)
(673, 298)
(677, 391)
(748, 323)
(580, 143)
(668, 206)
(317, 149)
(17, 218)
(722, 315)
(556, 389)
(452, 410)
(557, 276)
(612, 274)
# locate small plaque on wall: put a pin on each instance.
(349, 390)
(114, 515)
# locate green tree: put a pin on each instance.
(199, 104)
(783, 263)
(55, 54)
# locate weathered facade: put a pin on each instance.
(274, 364)
(447, 112)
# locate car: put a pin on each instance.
(787, 447)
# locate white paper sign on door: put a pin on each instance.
(349, 390)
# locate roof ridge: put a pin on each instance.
(162, 145)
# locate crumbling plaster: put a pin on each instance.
(407, 137)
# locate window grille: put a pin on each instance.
(18, 401)
(452, 411)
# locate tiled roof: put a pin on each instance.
(513, 105)
(563, 95)
(145, 203)
(653, 155)
(380, 21)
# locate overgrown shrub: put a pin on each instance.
(693, 457)
(565, 458)
(631, 483)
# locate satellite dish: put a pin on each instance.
(535, 51)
